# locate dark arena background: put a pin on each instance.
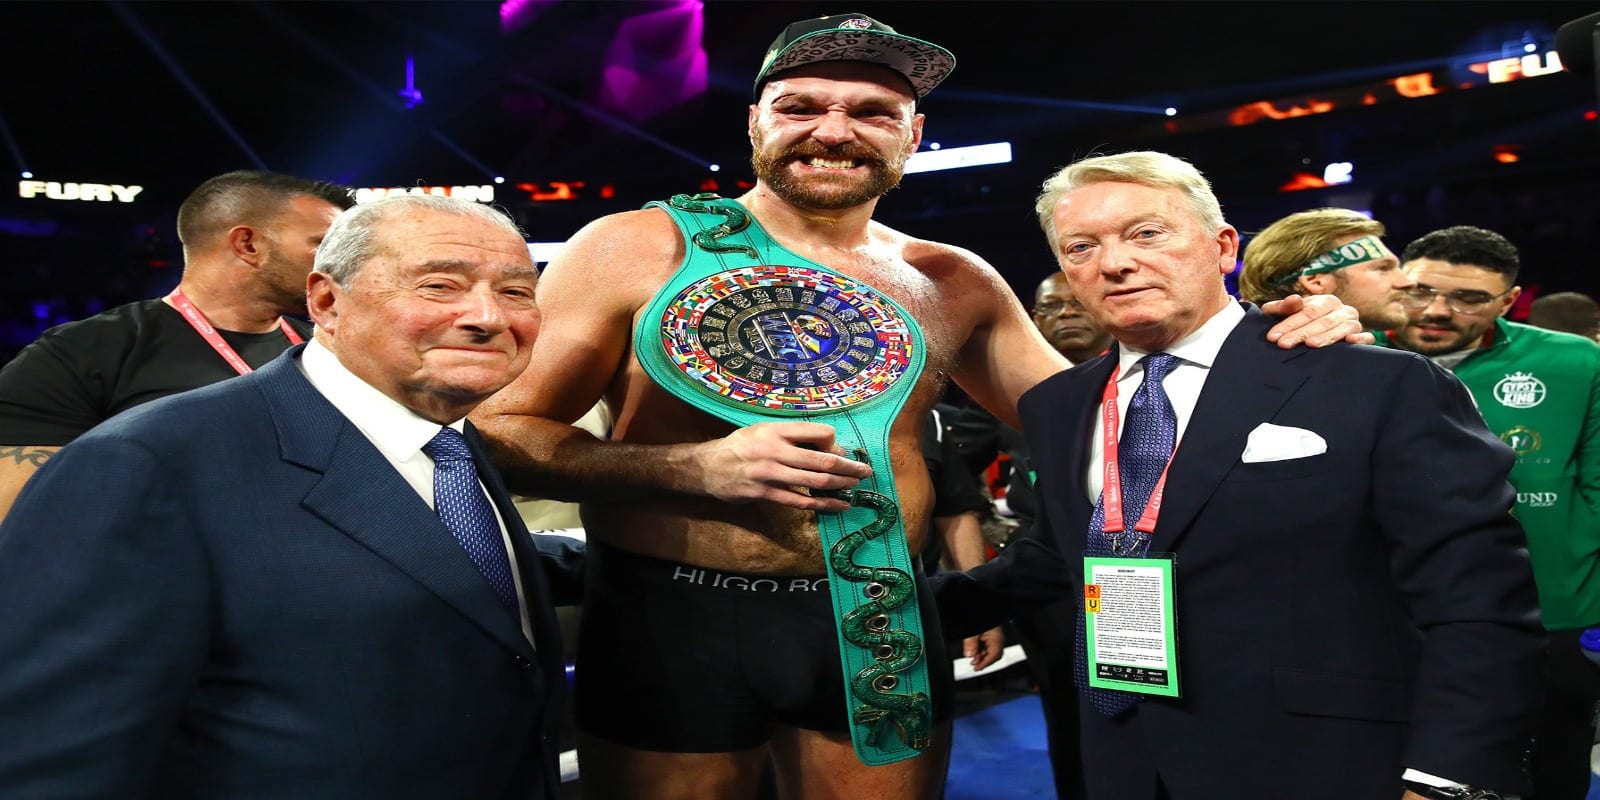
(1425, 114)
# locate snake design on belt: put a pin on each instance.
(867, 626)
(735, 220)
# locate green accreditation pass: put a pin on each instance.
(1131, 631)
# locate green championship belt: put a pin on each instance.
(750, 341)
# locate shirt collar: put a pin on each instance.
(397, 431)
(1199, 348)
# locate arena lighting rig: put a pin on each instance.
(1531, 60)
(1535, 64)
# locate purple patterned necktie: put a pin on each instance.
(465, 510)
(1148, 436)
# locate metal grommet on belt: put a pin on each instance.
(733, 281)
(885, 683)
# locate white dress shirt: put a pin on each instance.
(399, 434)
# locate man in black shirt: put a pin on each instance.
(958, 502)
(248, 242)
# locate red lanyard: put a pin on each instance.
(1112, 491)
(203, 327)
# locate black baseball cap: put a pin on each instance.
(857, 37)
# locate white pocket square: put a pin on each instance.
(1269, 442)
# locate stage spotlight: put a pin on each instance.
(957, 157)
(410, 93)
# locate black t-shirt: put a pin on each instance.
(82, 373)
(980, 437)
(955, 488)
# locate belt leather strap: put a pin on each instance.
(748, 340)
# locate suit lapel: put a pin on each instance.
(1247, 385)
(1082, 406)
(1066, 427)
(362, 496)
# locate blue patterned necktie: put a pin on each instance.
(1148, 436)
(465, 510)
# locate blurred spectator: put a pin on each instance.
(1061, 319)
(248, 242)
(959, 502)
(1327, 251)
(1539, 391)
(1573, 312)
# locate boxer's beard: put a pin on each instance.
(822, 190)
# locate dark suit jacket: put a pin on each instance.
(230, 593)
(1340, 616)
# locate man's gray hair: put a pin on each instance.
(1147, 168)
(351, 240)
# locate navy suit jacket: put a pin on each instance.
(1340, 617)
(230, 593)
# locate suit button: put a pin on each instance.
(522, 663)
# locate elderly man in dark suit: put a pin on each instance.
(1301, 579)
(305, 582)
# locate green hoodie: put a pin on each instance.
(1539, 391)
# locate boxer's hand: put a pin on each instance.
(1315, 321)
(784, 462)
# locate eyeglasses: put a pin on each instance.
(1461, 301)
(1051, 308)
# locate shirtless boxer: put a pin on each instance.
(708, 639)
